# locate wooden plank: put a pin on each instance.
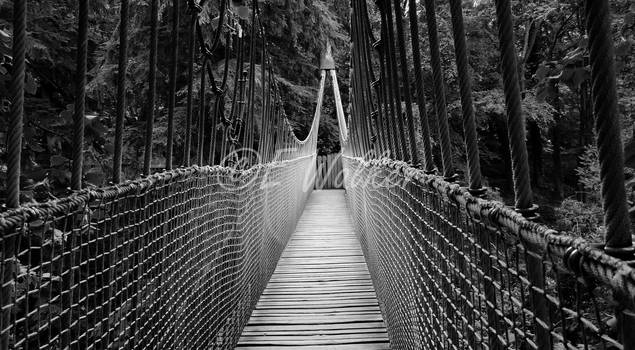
(331, 339)
(318, 303)
(320, 295)
(320, 347)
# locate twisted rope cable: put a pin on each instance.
(379, 85)
(515, 118)
(376, 114)
(202, 113)
(249, 144)
(428, 161)
(152, 82)
(366, 76)
(439, 90)
(465, 87)
(187, 149)
(361, 101)
(265, 134)
(231, 125)
(218, 104)
(239, 121)
(401, 43)
(393, 75)
(174, 53)
(616, 218)
(121, 90)
(14, 132)
(384, 103)
(80, 96)
(264, 120)
(354, 138)
(384, 63)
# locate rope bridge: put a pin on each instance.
(180, 258)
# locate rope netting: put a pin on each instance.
(454, 271)
(451, 269)
(173, 261)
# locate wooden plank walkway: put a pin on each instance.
(320, 296)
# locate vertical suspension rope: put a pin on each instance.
(384, 100)
(356, 106)
(360, 103)
(377, 114)
(263, 114)
(618, 234)
(230, 127)
(393, 76)
(80, 96)
(152, 89)
(121, 90)
(187, 150)
(384, 63)
(465, 87)
(271, 122)
(239, 121)
(352, 105)
(439, 91)
(219, 104)
(202, 112)
(515, 118)
(172, 83)
(14, 133)
(249, 132)
(401, 43)
(428, 161)
(212, 128)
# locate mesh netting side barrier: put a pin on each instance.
(453, 271)
(176, 260)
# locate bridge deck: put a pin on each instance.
(321, 295)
